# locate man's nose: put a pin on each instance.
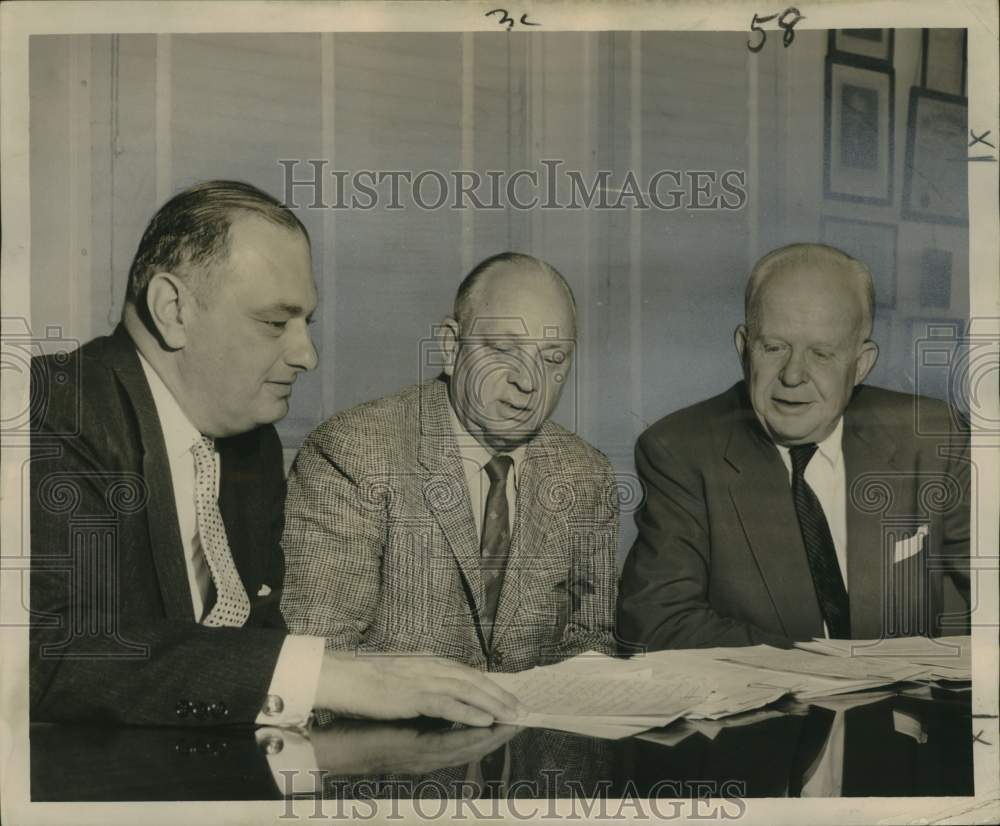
(301, 352)
(794, 370)
(522, 373)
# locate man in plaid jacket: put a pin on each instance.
(453, 518)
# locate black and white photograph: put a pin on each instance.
(566, 412)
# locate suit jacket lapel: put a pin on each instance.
(446, 492)
(869, 461)
(531, 522)
(161, 511)
(242, 504)
(762, 496)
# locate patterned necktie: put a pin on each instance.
(494, 546)
(820, 550)
(232, 606)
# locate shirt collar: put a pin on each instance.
(472, 452)
(831, 448)
(179, 435)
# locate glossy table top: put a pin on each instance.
(877, 744)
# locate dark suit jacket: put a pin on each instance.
(719, 560)
(112, 630)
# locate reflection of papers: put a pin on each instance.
(909, 725)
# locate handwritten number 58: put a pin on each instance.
(786, 21)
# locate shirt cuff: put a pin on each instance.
(292, 693)
(292, 761)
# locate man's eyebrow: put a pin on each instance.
(281, 307)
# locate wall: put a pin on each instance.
(119, 123)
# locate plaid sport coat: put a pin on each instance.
(382, 552)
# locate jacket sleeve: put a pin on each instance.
(333, 539)
(664, 600)
(98, 650)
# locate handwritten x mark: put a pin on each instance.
(976, 738)
(981, 139)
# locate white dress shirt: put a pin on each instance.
(475, 457)
(826, 476)
(296, 674)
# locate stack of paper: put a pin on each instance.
(602, 704)
(940, 658)
(602, 696)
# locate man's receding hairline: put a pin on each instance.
(818, 257)
(467, 299)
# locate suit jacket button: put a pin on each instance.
(273, 704)
(199, 710)
(272, 744)
(497, 658)
(182, 708)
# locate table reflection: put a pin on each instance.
(873, 744)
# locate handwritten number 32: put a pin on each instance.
(507, 21)
(787, 20)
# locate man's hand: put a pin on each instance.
(353, 747)
(394, 688)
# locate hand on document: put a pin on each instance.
(598, 695)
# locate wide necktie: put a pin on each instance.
(494, 545)
(232, 606)
(822, 553)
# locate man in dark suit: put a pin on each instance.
(157, 494)
(800, 502)
(454, 517)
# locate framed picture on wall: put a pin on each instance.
(877, 45)
(858, 132)
(872, 243)
(935, 172)
(936, 265)
(943, 60)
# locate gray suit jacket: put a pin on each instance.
(719, 560)
(382, 550)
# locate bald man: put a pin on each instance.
(454, 518)
(800, 503)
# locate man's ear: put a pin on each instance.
(740, 340)
(867, 356)
(448, 338)
(167, 300)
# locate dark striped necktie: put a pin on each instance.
(822, 553)
(494, 545)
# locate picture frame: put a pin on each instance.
(935, 171)
(859, 125)
(871, 242)
(943, 60)
(875, 45)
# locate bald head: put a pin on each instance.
(817, 269)
(496, 286)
